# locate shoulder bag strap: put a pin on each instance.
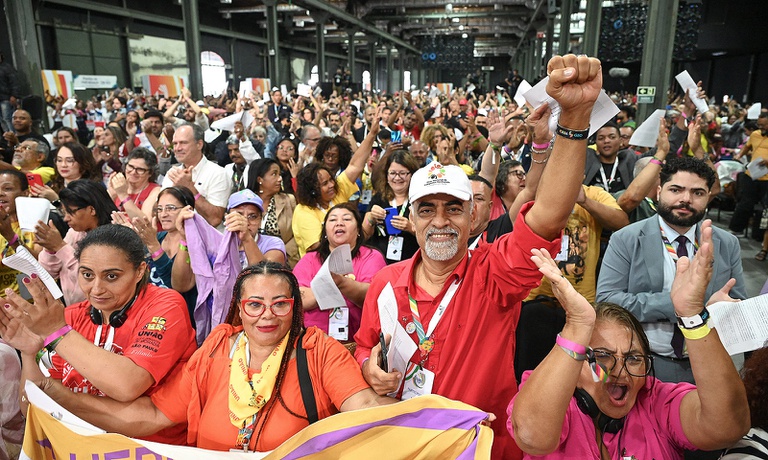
(305, 382)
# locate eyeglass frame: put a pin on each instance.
(160, 209)
(141, 171)
(647, 359)
(519, 174)
(264, 306)
(398, 174)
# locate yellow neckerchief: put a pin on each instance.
(248, 396)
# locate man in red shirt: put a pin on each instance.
(462, 308)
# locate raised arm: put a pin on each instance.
(498, 133)
(575, 83)
(644, 182)
(363, 152)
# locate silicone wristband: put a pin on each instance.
(543, 146)
(125, 201)
(573, 134)
(574, 350)
(58, 334)
(157, 253)
(695, 334)
(14, 240)
(656, 162)
(197, 197)
(494, 146)
(183, 247)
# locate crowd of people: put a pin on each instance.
(186, 236)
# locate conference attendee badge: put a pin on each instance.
(562, 256)
(366, 196)
(418, 382)
(410, 328)
(338, 323)
(395, 248)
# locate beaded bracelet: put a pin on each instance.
(540, 162)
(539, 151)
(574, 350)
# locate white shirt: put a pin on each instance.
(210, 180)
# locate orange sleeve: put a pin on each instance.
(338, 374)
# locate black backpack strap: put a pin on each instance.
(305, 382)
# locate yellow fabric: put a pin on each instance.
(7, 274)
(583, 233)
(46, 173)
(248, 396)
(759, 148)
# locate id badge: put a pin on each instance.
(562, 256)
(418, 382)
(338, 323)
(366, 196)
(395, 248)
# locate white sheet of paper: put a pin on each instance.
(470, 88)
(30, 210)
(686, 83)
(522, 88)
(325, 290)
(387, 305)
(742, 326)
(757, 169)
(210, 135)
(227, 123)
(401, 346)
(648, 132)
(303, 90)
(603, 110)
(754, 111)
(26, 263)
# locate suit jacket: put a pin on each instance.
(626, 158)
(632, 274)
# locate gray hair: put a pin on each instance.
(198, 132)
(640, 164)
(233, 140)
(42, 146)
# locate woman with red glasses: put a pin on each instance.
(241, 389)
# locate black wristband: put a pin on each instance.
(573, 134)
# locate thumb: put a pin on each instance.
(728, 286)
(50, 224)
(558, 77)
(682, 266)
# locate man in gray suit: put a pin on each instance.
(639, 265)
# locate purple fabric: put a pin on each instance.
(270, 243)
(433, 419)
(214, 280)
(764, 290)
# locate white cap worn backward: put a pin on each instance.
(435, 178)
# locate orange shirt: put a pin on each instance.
(198, 393)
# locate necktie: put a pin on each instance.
(677, 336)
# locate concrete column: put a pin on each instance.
(190, 11)
(565, 26)
(537, 42)
(550, 36)
(25, 47)
(273, 43)
(656, 66)
(351, 53)
(320, 18)
(372, 61)
(592, 28)
(390, 70)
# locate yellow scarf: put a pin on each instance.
(248, 396)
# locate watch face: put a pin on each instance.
(692, 322)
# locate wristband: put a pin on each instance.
(573, 134)
(183, 247)
(14, 240)
(540, 162)
(574, 350)
(127, 199)
(197, 197)
(695, 334)
(56, 335)
(684, 115)
(542, 146)
(539, 152)
(494, 146)
(157, 253)
(656, 161)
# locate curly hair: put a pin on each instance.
(687, 164)
(324, 248)
(308, 185)
(345, 150)
(380, 180)
(83, 158)
(142, 153)
(755, 376)
(501, 177)
(428, 135)
(266, 268)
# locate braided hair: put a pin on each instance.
(267, 268)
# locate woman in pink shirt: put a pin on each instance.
(594, 395)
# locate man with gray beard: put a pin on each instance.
(461, 307)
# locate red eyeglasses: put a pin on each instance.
(255, 308)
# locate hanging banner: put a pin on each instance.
(434, 424)
(58, 83)
(95, 82)
(445, 88)
(163, 85)
(254, 84)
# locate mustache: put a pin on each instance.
(432, 230)
(684, 206)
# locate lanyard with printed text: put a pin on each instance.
(608, 181)
(671, 250)
(425, 342)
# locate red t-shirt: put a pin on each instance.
(157, 335)
(474, 348)
(414, 133)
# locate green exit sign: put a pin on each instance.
(646, 94)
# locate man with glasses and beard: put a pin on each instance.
(639, 264)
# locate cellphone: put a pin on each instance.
(383, 360)
(396, 136)
(35, 179)
(391, 212)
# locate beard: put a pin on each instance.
(441, 250)
(666, 213)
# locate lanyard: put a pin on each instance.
(608, 181)
(245, 433)
(393, 203)
(651, 203)
(425, 342)
(477, 241)
(671, 250)
(110, 338)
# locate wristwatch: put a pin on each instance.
(694, 322)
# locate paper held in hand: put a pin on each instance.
(602, 112)
(326, 292)
(30, 210)
(26, 263)
(401, 346)
(742, 326)
(687, 84)
(647, 133)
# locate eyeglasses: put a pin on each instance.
(398, 174)
(25, 148)
(518, 174)
(635, 365)
(255, 308)
(130, 169)
(69, 161)
(71, 212)
(167, 208)
(253, 217)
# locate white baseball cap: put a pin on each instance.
(435, 178)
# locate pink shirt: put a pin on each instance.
(652, 428)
